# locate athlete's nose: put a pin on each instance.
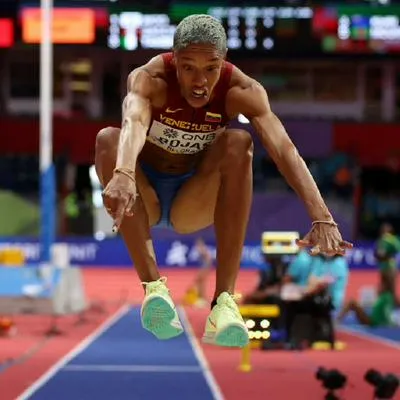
(199, 80)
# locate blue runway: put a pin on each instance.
(127, 362)
(388, 335)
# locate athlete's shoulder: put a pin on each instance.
(240, 80)
(153, 70)
(245, 94)
(148, 79)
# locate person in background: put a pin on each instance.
(269, 283)
(196, 294)
(381, 312)
(299, 269)
(278, 274)
(331, 274)
(309, 311)
(387, 248)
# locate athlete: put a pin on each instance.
(174, 163)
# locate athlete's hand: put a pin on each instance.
(119, 197)
(324, 238)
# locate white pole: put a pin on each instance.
(46, 86)
(47, 175)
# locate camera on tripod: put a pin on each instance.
(331, 380)
(385, 385)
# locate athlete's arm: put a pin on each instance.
(120, 194)
(136, 117)
(250, 99)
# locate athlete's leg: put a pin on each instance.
(158, 312)
(221, 193)
(136, 229)
(360, 313)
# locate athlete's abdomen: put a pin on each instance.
(171, 163)
(178, 135)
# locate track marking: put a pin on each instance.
(370, 336)
(198, 352)
(82, 345)
(133, 368)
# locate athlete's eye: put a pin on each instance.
(212, 68)
(187, 67)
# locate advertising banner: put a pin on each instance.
(170, 253)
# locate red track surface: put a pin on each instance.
(276, 375)
(281, 375)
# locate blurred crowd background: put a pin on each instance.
(331, 70)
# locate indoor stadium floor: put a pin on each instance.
(121, 360)
(111, 357)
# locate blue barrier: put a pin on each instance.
(48, 213)
(170, 253)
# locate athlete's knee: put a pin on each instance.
(238, 146)
(106, 153)
(107, 139)
(352, 303)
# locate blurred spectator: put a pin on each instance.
(308, 310)
(381, 313)
(380, 201)
(196, 294)
(268, 288)
(330, 274)
(299, 269)
(387, 249)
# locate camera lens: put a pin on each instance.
(321, 374)
(373, 377)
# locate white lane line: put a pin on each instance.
(81, 346)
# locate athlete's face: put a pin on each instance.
(198, 68)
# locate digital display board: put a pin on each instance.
(247, 28)
(278, 31)
(356, 29)
(131, 30)
(69, 25)
(6, 32)
(263, 27)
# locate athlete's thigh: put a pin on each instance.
(194, 205)
(106, 155)
(149, 197)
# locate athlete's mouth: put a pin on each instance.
(199, 93)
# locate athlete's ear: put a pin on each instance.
(173, 61)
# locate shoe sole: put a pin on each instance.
(157, 316)
(233, 335)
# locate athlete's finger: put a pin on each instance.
(129, 207)
(303, 242)
(330, 251)
(315, 250)
(346, 245)
(341, 251)
(119, 215)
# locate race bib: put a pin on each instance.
(180, 142)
